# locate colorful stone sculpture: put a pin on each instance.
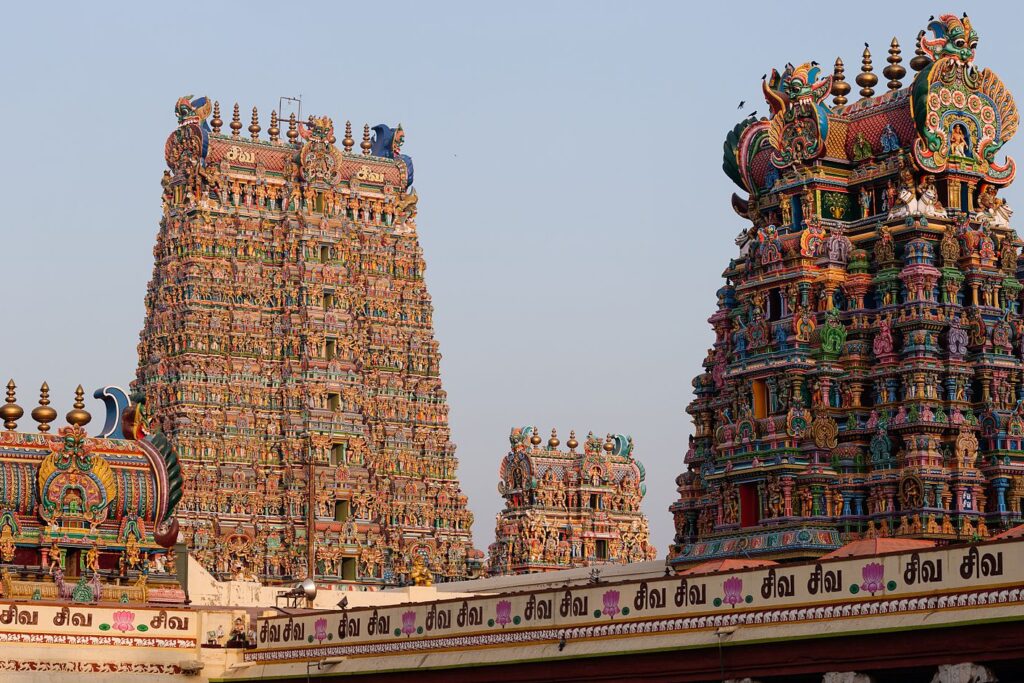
(288, 354)
(567, 509)
(892, 400)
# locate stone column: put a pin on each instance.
(965, 672)
(1000, 484)
(846, 677)
(856, 389)
(787, 496)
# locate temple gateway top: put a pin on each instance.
(866, 374)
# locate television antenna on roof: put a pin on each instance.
(294, 105)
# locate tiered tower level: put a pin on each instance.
(567, 508)
(866, 377)
(289, 355)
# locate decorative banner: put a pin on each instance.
(30, 622)
(846, 587)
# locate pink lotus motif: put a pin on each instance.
(124, 620)
(504, 613)
(733, 590)
(611, 603)
(873, 574)
(320, 629)
(408, 623)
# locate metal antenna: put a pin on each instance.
(294, 102)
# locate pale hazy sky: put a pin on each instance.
(573, 211)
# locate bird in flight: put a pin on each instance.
(740, 105)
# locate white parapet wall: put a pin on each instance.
(205, 590)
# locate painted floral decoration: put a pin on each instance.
(504, 613)
(733, 589)
(873, 574)
(124, 620)
(611, 603)
(408, 623)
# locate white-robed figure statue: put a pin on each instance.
(928, 203)
(906, 203)
(994, 208)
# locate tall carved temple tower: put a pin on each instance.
(569, 509)
(288, 353)
(866, 377)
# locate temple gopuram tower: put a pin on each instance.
(866, 378)
(567, 509)
(288, 353)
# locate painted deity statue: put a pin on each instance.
(957, 339)
(883, 344)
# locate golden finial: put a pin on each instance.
(572, 443)
(866, 79)
(920, 60)
(553, 441)
(274, 130)
(10, 411)
(347, 142)
(895, 71)
(332, 138)
(236, 122)
(840, 88)
(254, 127)
(293, 129)
(43, 413)
(78, 415)
(365, 144)
(608, 444)
(216, 123)
(535, 437)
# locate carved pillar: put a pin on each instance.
(856, 389)
(804, 289)
(1000, 484)
(965, 672)
(846, 677)
(787, 496)
(798, 391)
(958, 497)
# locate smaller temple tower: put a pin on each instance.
(568, 509)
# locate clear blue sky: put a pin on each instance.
(573, 212)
